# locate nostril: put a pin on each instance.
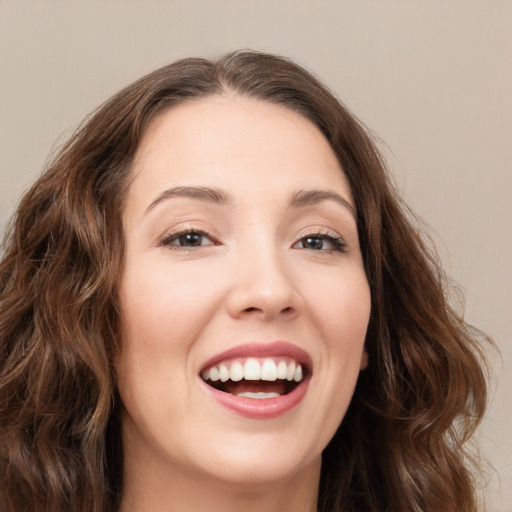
(286, 310)
(247, 302)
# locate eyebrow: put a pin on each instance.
(210, 195)
(299, 199)
(303, 198)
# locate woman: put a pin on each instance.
(213, 299)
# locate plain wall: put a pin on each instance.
(432, 79)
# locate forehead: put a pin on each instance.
(228, 141)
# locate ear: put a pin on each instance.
(364, 360)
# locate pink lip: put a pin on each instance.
(259, 409)
(277, 348)
(266, 408)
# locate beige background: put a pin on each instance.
(433, 79)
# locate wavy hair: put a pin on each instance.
(402, 444)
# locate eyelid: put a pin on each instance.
(340, 245)
(330, 236)
(167, 238)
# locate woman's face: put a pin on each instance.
(242, 265)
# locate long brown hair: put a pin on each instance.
(401, 445)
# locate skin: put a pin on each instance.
(254, 278)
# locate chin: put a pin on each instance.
(265, 472)
(262, 459)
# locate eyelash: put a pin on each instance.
(167, 240)
(338, 243)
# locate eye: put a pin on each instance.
(321, 242)
(189, 238)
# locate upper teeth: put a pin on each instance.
(255, 369)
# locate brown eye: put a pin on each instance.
(321, 242)
(187, 239)
(190, 239)
(312, 243)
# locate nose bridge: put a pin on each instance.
(262, 281)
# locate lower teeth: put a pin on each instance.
(258, 395)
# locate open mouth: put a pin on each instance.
(256, 378)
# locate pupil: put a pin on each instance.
(314, 243)
(190, 239)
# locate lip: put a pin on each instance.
(266, 408)
(274, 349)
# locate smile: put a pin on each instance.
(259, 381)
(255, 378)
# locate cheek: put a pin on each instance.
(341, 312)
(161, 305)
(340, 309)
(341, 303)
(162, 315)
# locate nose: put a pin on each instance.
(264, 287)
